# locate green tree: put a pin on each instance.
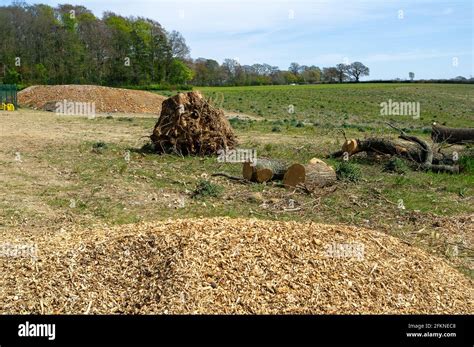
(342, 70)
(40, 74)
(11, 77)
(357, 70)
(179, 72)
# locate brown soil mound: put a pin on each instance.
(189, 125)
(224, 265)
(106, 99)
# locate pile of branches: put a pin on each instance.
(413, 149)
(189, 125)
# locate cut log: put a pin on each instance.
(441, 133)
(294, 176)
(247, 171)
(315, 174)
(350, 146)
(265, 170)
(319, 174)
(263, 175)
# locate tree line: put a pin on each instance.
(208, 72)
(69, 45)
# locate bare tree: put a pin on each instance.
(178, 45)
(411, 75)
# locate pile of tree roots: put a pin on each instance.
(189, 125)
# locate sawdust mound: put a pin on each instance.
(106, 99)
(224, 265)
(189, 125)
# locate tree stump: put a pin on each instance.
(189, 125)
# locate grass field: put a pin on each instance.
(351, 105)
(61, 172)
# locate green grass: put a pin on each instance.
(353, 105)
(347, 171)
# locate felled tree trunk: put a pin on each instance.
(387, 146)
(399, 148)
(425, 156)
(265, 170)
(451, 135)
(315, 174)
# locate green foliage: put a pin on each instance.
(11, 77)
(347, 171)
(402, 181)
(276, 129)
(180, 73)
(160, 87)
(205, 189)
(98, 147)
(119, 23)
(396, 165)
(238, 123)
(59, 48)
(41, 74)
(466, 164)
(125, 119)
(268, 147)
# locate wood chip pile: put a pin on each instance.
(106, 99)
(223, 265)
(189, 125)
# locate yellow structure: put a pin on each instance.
(7, 107)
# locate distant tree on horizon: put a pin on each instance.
(330, 74)
(357, 70)
(342, 70)
(294, 68)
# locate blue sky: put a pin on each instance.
(432, 38)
